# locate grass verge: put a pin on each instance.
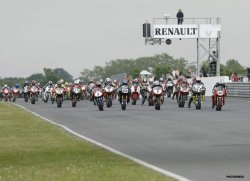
(32, 149)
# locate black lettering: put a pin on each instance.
(194, 30)
(164, 31)
(177, 31)
(170, 31)
(157, 31)
(183, 32)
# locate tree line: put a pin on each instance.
(43, 78)
(160, 64)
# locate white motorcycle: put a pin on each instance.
(47, 94)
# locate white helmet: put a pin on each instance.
(77, 81)
(108, 79)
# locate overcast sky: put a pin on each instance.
(78, 34)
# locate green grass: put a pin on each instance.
(32, 150)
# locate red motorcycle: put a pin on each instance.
(183, 94)
(6, 94)
(98, 98)
(219, 97)
(15, 93)
(34, 92)
(108, 95)
(135, 93)
(157, 96)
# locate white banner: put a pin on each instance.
(186, 31)
(176, 31)
(209, 30)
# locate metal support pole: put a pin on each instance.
(218, 55)
(198, 56)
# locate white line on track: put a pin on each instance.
(153, 167)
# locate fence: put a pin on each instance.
(238, 89)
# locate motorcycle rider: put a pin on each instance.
(108, 81)
(177, 86)
(33, 83)
(184, 83)
(98, 85)
(217, 84)
(144, 85)
(91, 86)
(6, 87)
(156, 83)
(197, 81)
(79, 86)
(26, 83)
(1, 95)
(58, 85)
(16, 86)
(124, 83)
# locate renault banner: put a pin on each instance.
(186, 31)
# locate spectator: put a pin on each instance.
(245, 79)
(235, 77)
(180, 16)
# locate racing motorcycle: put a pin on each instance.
(170, 88)
(183, 94)
(34, 92)
(47, 93)
(108, 95)
(219, 97)
(157, 96)
(1, 94)
(59, 95)
(6, 94)
(135, 93)
(98, 98)
(15, 93)
(76, 95)
(150, 96)
(26, 93)
(124, 93)
(198, 91)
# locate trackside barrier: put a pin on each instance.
(238, 89)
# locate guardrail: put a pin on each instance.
(238, 89)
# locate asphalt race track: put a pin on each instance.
(201, 145)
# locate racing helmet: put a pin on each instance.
(198, 80)
(98, 84)
(59, 83)
(17, 85)
(77, 82)
(156, 83)
(33, 82)
(136, 80)
(108, 80)
(124, 82)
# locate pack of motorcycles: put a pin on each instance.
(107, 94)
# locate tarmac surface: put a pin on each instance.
(201, 145)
